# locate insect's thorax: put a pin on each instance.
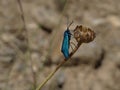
(67, 33)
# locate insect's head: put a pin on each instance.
(68, 30)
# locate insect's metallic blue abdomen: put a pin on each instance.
(66, 43)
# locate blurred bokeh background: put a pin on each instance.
(26, 58)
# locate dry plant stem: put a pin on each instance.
(55, 33)
(28, 54)
(22, 14)
(59, 65)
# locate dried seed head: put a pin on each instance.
(83, 34)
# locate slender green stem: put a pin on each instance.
(50, 75)
(59, 65)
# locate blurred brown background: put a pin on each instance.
(95, 66)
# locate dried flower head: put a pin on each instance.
(83, 34)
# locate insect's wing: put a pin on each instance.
(65, 45)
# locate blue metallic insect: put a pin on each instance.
(66, 42)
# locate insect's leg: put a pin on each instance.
(71, 47)
(72, 35)
(73, 44)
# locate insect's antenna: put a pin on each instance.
(69, 24)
